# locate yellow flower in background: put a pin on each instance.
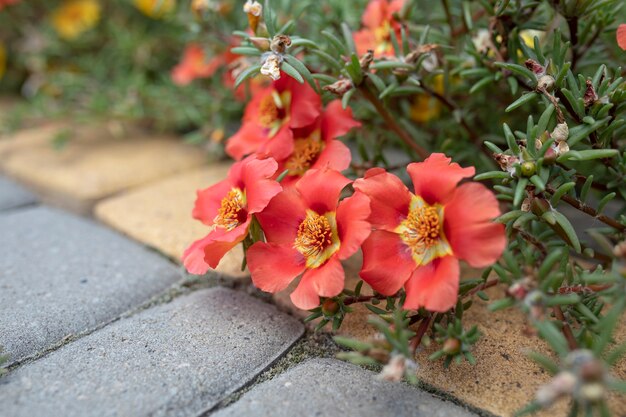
(73, 17)
(425, 107)
(3, 60)
(155, 9)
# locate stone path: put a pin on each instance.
(99, 325)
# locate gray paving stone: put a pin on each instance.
(328, 387)
(170, 360)
(61, 275)
(13, 195)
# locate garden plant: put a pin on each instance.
(463, 149)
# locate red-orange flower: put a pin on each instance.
(379, 26)
(227, 208)
(4, 3)
(270, 117)
(196, 64)
(418, 238)
(316, 147)
(309, 231)
(621, 36)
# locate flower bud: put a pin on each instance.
(528, 168)
(535, 67)
(451, 346)
(620, 249)
(330, 307)
(592, 371)
(546, 82)
(380, 355)
(280, 43)
(366, 59)
(254, 10)
(539, 206)
(262, 44)
(593, 392)
(590, 96)
(549, 158)
(339, 87)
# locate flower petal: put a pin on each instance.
(337, 121)
(193, 257)
(208, 252)
(352, 224)
(282, 216)
(325, 281)
(320, 189)
(469, 228)
(328, 279)
(621, 36)
(387, 262)
(209, 200)
(245, 141)
(436, 178)
(279, 146)
(434, 286)
(306, 104)
(335, 155)
(260, 189)
(273, 267)
(389, 198)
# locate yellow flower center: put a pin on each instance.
(232, 211)
(305, 153)
(274, 110)
(422, 231)
(317, 238)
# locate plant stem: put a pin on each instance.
(483, 286)
(362, 299)
(391, 122)
(566, 329)
(533, 241)
(421, 331)
(579, 205)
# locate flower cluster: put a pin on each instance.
(410, 240)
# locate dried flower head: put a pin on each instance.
(271, 66)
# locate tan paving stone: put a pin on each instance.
(98, 160)
(159, 215)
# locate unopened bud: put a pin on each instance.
(560, 132)
(528, 168)
(394, 370)
(280, 43)
(549, 158)
(590, 96)
(254, 10)
(535, 67)
(262, 44)
(620, 249)
(592, 371)
(366, 59)
(546, 82)
(330, 307)
(539, 206)
(451, 346)
(380, 355)
(339, 87)
(593, 392)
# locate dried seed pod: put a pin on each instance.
(546, 82)
(560, 132)
(280, 43)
